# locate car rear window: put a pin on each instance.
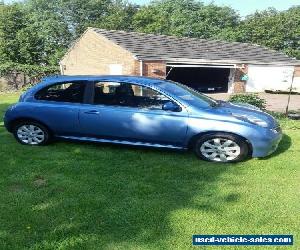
(62, 92)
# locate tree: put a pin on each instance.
(46, 35)
(11, 22)
(271, 28)
(31, 34)
(80, 14)
(184, 18)
(40, 31)
(119, 17)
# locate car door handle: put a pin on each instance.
(92, 112)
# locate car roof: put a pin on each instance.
(120, 78)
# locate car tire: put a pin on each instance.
(221, 147)
(31, 133)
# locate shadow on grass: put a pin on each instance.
(88, 195)
(83, 195)
(96, 195)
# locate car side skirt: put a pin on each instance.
(135, 143)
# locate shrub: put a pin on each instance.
(278, 115)
(252, 99)
(19, 75)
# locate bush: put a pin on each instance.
(276, 114)
(252, 99)
(19, 75)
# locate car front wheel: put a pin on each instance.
(31, 133)
(221, 147)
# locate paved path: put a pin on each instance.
(275, 102)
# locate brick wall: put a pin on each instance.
(238, 85)
(154, 69)
(92, 54)
(297, 71)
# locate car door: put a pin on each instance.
(123, 111)
(58, 105)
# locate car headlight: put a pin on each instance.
(252, 119)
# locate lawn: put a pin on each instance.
(93, 196)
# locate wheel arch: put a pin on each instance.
(194, 138)
(27, 119)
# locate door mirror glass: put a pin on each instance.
(171, 106)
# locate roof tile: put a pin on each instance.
(161, 47)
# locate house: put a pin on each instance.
(206, 65)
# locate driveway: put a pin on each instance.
(275, 102)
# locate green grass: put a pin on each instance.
(93, 196)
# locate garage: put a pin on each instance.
(209, 66)
(204, 78)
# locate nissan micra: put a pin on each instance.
(141, 111)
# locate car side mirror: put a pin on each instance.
(171, 106)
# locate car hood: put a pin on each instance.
(246, 110)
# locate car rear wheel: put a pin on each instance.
(31, 133)
(221, 147)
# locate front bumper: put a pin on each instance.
(268, 144)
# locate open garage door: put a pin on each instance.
(204, 78)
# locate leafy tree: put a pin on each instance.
(32, 34)
(165, 17)
(109, 14)
(39, 31)
(271, 28)
(211, 20)
(46, 35)
(52, 25)
(184, 18)
(119, 16)
(11, 22)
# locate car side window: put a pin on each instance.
(63, 92)
(128, 95)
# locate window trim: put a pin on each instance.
(85, 96)
(171, 98)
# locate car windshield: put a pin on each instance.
(187, 94)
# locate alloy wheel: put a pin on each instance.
(220, 149)
(30, 134)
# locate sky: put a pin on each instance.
(245, 7)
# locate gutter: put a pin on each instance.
(234, 66)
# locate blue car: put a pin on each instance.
(141, 111)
